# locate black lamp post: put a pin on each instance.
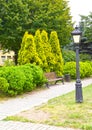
(76, 38)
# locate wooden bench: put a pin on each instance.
(51, 77)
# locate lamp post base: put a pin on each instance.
(79, 97)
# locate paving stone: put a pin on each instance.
(12, 125)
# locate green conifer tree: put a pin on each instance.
(20, 53)
(47, 50)
(40, 50)
(27, 53)
(54, 42)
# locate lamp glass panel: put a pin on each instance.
(76, 38)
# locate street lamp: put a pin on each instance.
(76, 34)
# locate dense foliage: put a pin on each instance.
(42, 50)
(56, 51)
(14, 20)
(86, 25)
(68, 55)
(19, 79)
(52, 15)
(47, 51)
(27, 53)
(85, 69)
(18, 16)
(3, 85)
(85, 57)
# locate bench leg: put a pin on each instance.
(63, 81)
(56, 82)
(47, 85)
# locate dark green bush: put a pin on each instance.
(85, 69)
(3, 85)
(68, 55)
(85, 57)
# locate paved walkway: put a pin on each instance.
(25, 102)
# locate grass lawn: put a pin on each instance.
(62, 111)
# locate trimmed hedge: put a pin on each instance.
(21, 79)
(85, 69)
(38, 75)
(29, 85)
(3, 85)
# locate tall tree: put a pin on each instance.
(40, 50)
(86, 22)
(54, 42)
(47, 50)
(14, 20)
(27, 53)
(52, 15)
(19, 16)
(21, 51)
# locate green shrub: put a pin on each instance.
(38, 75)
(85, 57)
(70, 68)
(3, 85)
(85, 69)
(29, 84)
(90, 62)
(15, 78)
(22, 78)
(68, 55)
(9, 63)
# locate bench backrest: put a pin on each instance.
(50, 75)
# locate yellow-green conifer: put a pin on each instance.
(47, 50)
(27, 53)
(40, 50)
(54, 42)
